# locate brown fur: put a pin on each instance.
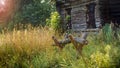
(57, 43)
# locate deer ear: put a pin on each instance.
(55, 40)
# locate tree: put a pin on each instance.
(33, 11)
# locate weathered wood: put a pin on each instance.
(91, 30)
(78, 31)
(91, 15)
(77, 12)
(84, 3)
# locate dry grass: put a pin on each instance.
(19, 45)
(30, 38)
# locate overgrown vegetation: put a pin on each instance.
(54, 21)
(32, 48)
(33, 12)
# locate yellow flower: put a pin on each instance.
(107, 48)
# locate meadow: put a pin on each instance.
(33, 48)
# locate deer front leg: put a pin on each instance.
(79, 44)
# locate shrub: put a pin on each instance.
(54, 21)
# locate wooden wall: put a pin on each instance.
(78, 14)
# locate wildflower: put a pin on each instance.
(107, 48)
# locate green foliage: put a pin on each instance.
(34, 12)
(99, 59)
(54, 21)
(68, 17)
(108, 33)
(37, 12)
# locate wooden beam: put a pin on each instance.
(88, 30)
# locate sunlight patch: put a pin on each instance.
(2, 2)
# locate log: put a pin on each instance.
(89, 30)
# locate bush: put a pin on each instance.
(54, 21)
(99, 59)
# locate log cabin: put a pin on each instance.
(83, 14)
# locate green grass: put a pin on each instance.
(32, 48)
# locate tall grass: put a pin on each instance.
(17, 48)
(32, 48)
